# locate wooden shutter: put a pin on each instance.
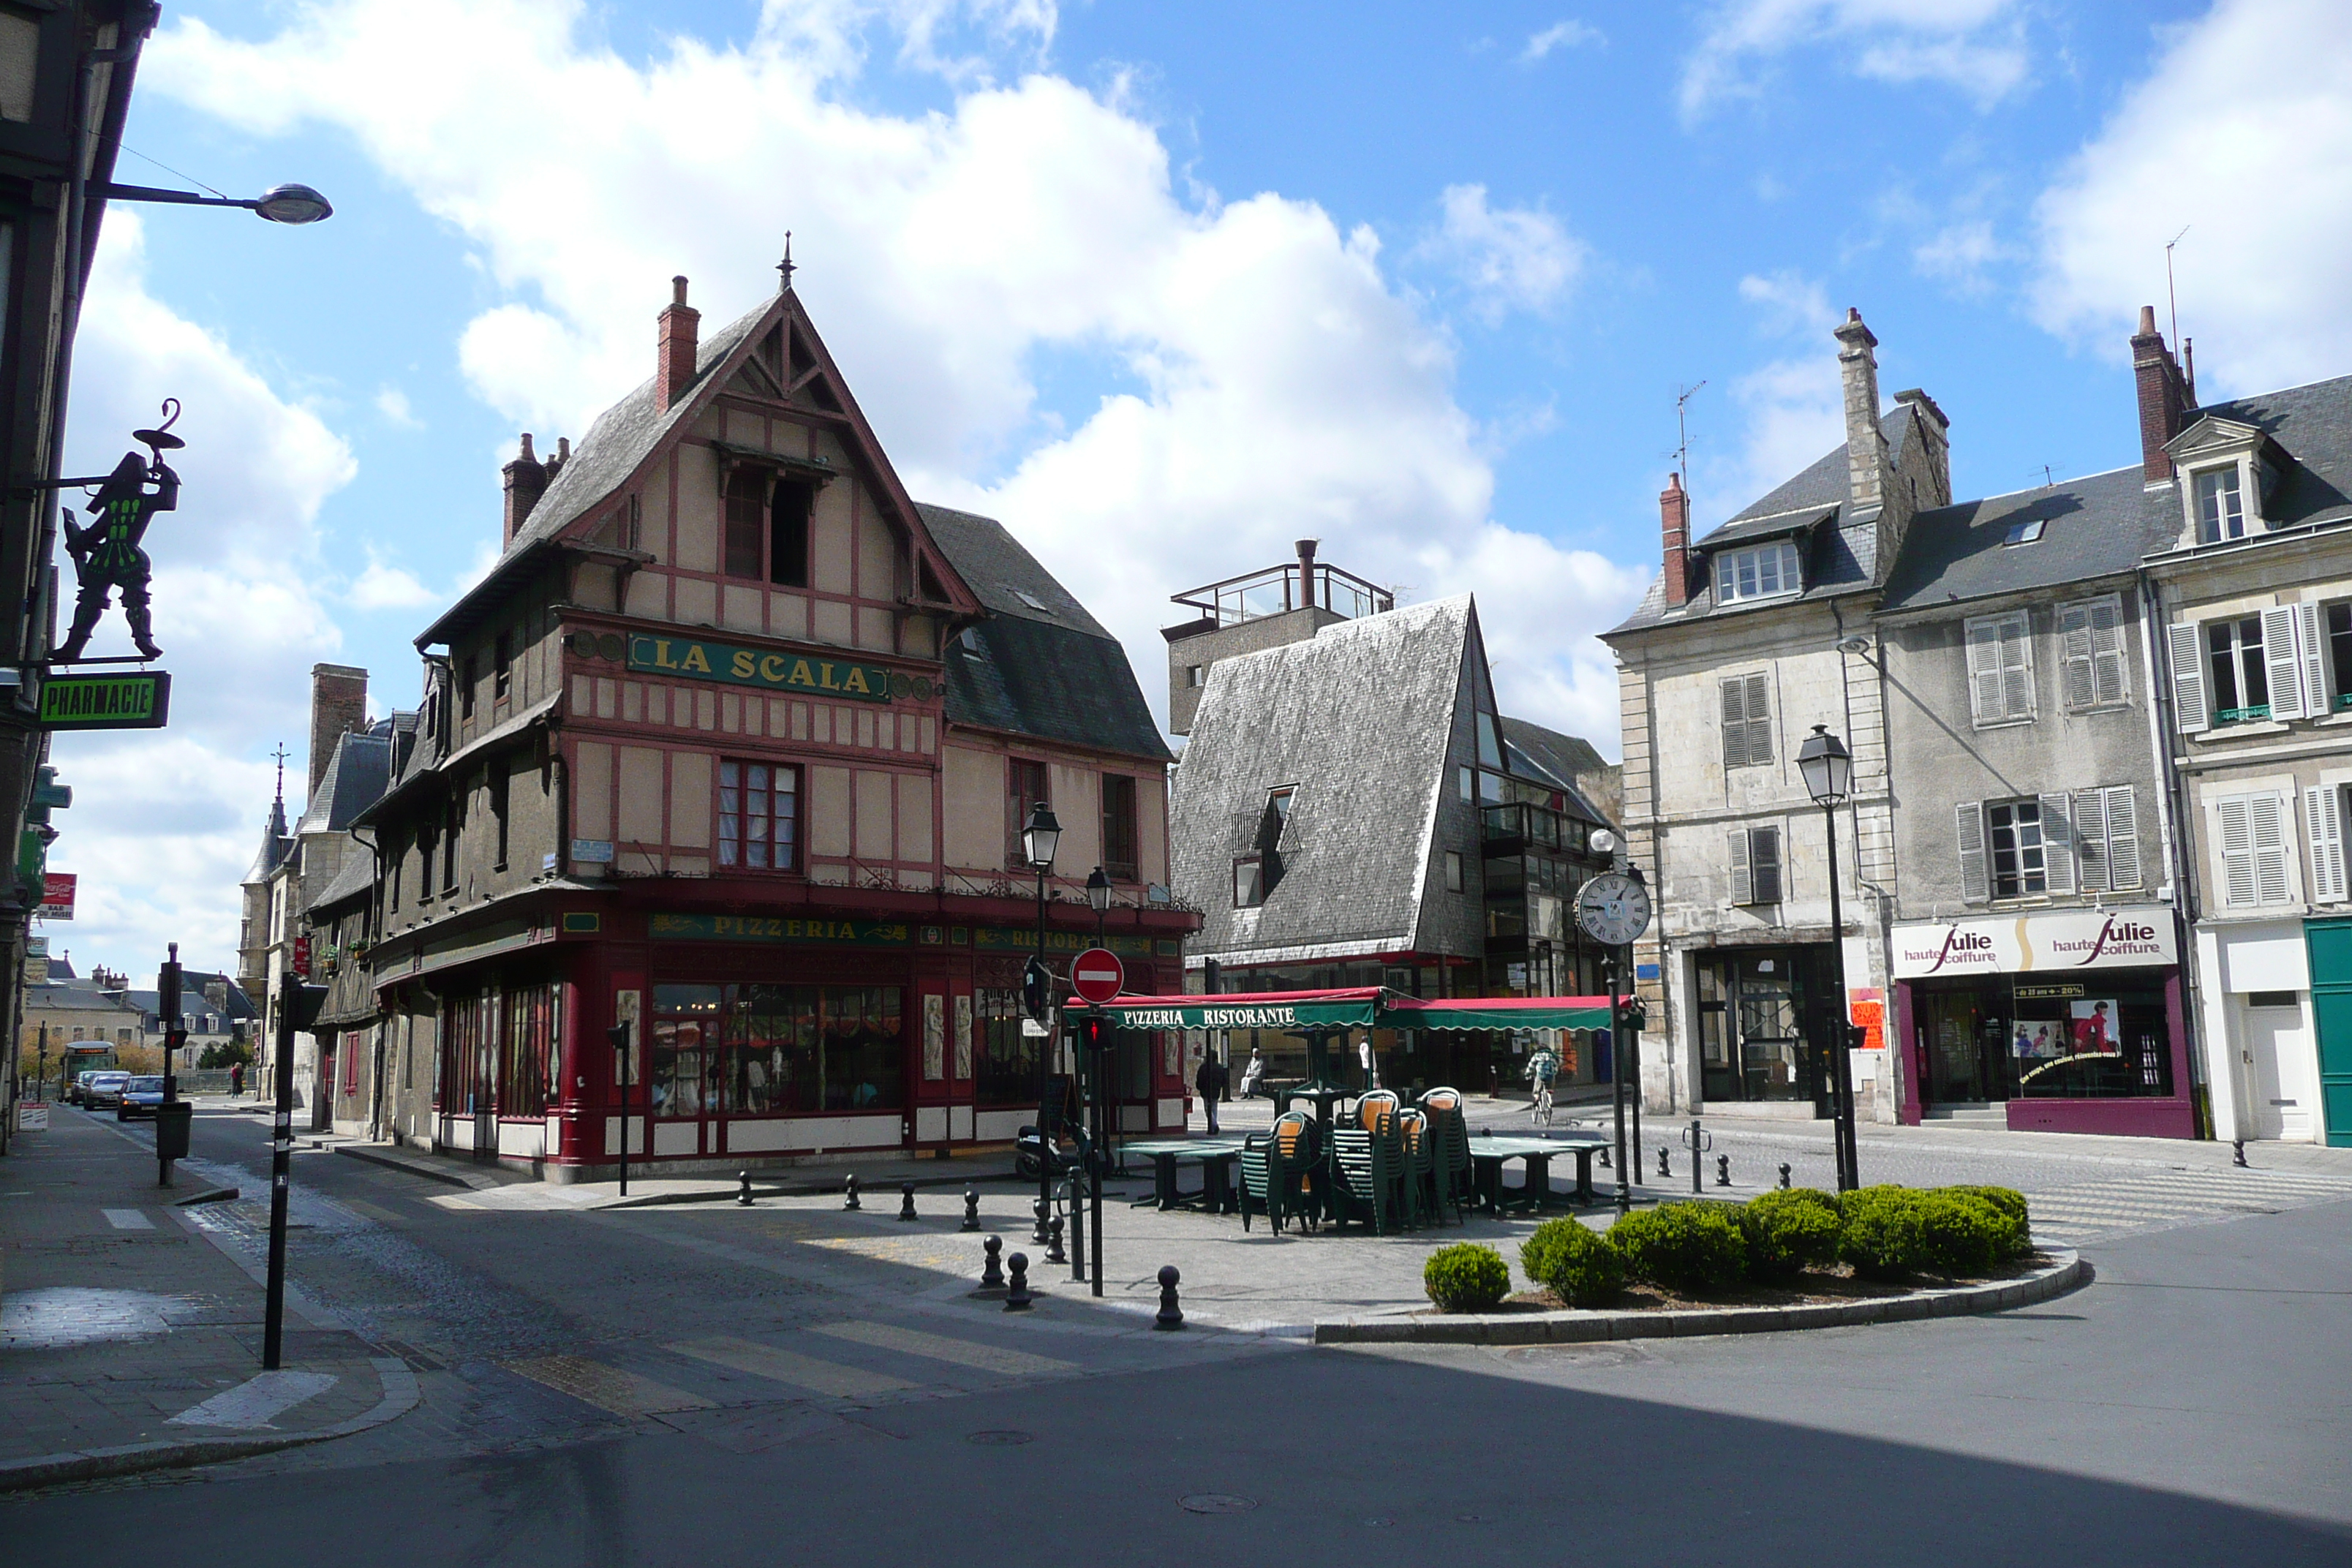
(1968, 832)
(1984, 672)
(1735, 723)
(2267, 814)
(2017, 667)
(2091, 839)
(2187, 678)
(1759, 719)
(1743, 884)
(2237, 851)
(1764, 864)
(2323, 826)
(2283, 669)
(2078, 680)
(2107, 651)
(2314, 652)
(2057, 843)
(2121, 808)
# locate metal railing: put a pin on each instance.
(1276, 589)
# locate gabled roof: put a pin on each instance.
(356, 777)
(1360, 717)
(2312, 426)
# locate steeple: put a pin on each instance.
(276, 843)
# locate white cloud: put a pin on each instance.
(164, 824)
(1510, 259)
(393, 403)
(1280, 387)
(1791, 302)
(1960, 254)
(383, 586)
(1562, 35)
(1792, 408)
(2243, 130)
(1978, 46)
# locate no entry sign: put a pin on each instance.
(1098, 975)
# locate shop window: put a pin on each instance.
(469, 1055)
(1747, 721)
(1249, 892)
(527, 1051)
(2254, 850)
(2000, 669)
(2220, 509)
(2240, 679)
(1756, 865)
(1005, 1067)
(1119, 827)
(2013, 838)
(2091, 646)
(1766, 572)
(756, 1049)
(1027, 783)
(759, 816)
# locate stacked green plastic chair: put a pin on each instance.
(1451, 1177)
(1278, 1172)
(1365, 1161)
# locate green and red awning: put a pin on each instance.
(1368, 1006)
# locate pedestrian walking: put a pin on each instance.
(236, 1079)
(1211, 1082)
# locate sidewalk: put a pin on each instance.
(131, 1331)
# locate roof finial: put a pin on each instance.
(281, 755)
(785, 265)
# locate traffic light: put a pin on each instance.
(1630, 1015)
(1036, 990)
(33, 844)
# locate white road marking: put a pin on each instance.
(787, 1366)
(128, 1219)
(256, 1402)
(939, 1347)
(606, 1388)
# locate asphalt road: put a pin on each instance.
(2192, 1406)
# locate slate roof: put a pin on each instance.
(276, 844)
(2312, 425)
(1038, 665)
(1360, 718)
(1556, 759)
(355, 877)
(356, 777)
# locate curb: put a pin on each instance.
(2070, 1273)
(796, 1190)
(400, 1396)
(413, 1168)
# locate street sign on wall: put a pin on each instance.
(141, 701)
(56, 896)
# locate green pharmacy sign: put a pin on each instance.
(141, 701)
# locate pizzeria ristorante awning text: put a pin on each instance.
(755, 666)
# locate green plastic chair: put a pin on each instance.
(1278, 1172)
(1451, 1178)
(1364, 1171)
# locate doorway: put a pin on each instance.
(1759, 1022)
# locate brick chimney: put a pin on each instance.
(1305, 548)
(681, 328)
(1674, 526)
(338, 704)
(2164, 399)
(1939, 445)
(526, 481)
(1865, 447)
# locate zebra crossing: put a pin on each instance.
(2113, 1207)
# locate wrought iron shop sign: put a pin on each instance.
(764, 668)
(141, 701)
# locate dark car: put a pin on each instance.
(103, 1088)
(139, 1097)
(80, 1085)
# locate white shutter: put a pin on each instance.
(2123, 838)
(1759, 719)
(2057, 844)
(2323, 827)
(2267, 814)
(2017, 667)
(1735, 725)
(1743, 885)
(1967, 819)
(2283, 669)
(2314, 652)
(2078, 681)
(2107, 651)
(2237, 851)
(1984, 672)
(2091, 837)
(2187, 678)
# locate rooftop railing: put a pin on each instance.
(1277, 589)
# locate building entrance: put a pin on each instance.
(1760, 1026)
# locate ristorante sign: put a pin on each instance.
(2035, 944)
(763, 667)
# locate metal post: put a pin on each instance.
(281, 1158)
(1617, 1081)
(1696, 1152)
(1045, 1069)
(1102, 1133)
(1633, 1078)
(625, 1032)
(1841, 1064)
(167, 1003)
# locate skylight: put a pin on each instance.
(2023, 532)
(1032, 600)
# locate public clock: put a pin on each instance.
(1613, 909)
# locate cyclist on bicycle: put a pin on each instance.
(1542, 1066)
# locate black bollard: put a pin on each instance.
(849, 1193)
(1665, 1167)
(1017, 1299)
(743, 1189)
(1784, 1176)
(1723, 1170)
(970, 1208)
(905, 1200)
(1038, 1235)
(1606, 1163)
(1169, 1316)
(1054, 1253)
(2239, 1157)
(991, 1272)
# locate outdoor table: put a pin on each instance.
(1488, 1151)
(1215, 1155)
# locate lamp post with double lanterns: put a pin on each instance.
(1827, 768)
(1039, 839)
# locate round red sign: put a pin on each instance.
(1098, 975)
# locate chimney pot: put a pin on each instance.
(2165, 398)
(681, 326)
(1673, 529)
(1305, 548)
(526, 481)
(677, 290)
(1865, 444)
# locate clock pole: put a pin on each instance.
(1617, 1083)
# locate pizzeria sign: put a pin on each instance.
(2034, 944)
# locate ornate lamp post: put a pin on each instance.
(1098, 895)
(1039, 839)
(1828, 769)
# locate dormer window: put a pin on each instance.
(2221, 506)
(1768, 570)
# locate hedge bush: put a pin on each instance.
(1466, 1277)
(2012, 1204)
(1965, 1235)
(1891, 1232)
(1789, 1230)
(1577, 1263)
(1882, 1234)
(1692, 1249)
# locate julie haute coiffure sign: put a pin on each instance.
(2034, 944)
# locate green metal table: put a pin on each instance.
(1488, 1151)
(1214, 1153)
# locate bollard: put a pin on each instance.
(1017, 1299)
(1698, 1142)
(1665, 1167)
(1054, 1253)
(1038, 1235)
(1170, 1316)
(2239, 1159)
(970, 1208)
(991, 1272)
(743, 1189)
(1723, 1170)
(849, 1193)
(905, 1200)
(1784, 1176)
(1606, 1163)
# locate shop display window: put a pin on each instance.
(2099, 1037)
(752, 1051)
(1005, 1073)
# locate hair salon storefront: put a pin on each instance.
(2073, 1021)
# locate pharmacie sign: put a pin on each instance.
(2034, 944)
(141, 701)
(762, 667)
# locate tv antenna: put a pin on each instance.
(2172, 296)
(1683, 394)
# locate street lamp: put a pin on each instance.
(288, 204)
(1039, 839)
(1827, 768)
(1098, 895)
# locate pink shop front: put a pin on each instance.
(2070, 1022)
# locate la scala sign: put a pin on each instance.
(2033, 944)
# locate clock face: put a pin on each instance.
(1613, 909)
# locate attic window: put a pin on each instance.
(1032, 601)
(1768, 570)
(968, 639)
(2023, 532)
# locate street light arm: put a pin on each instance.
(178, 198)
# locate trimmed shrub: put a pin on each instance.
(1788, 1231)
(2012, 1204)
(1963, 1234)
(1882, 1234)
(1692, 1249)
(1577, 1263)
(1466, 1277)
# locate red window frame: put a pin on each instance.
(751, 838)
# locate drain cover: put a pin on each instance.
(998, 1440)
(1217, 1502)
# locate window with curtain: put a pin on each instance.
(1006, 1068)
(759, 816)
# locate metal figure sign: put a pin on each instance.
(106, 554)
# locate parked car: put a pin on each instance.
(139, 1097)
(104, 1088)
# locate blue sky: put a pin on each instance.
(1164, 288)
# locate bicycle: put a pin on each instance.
(1542, 1106)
